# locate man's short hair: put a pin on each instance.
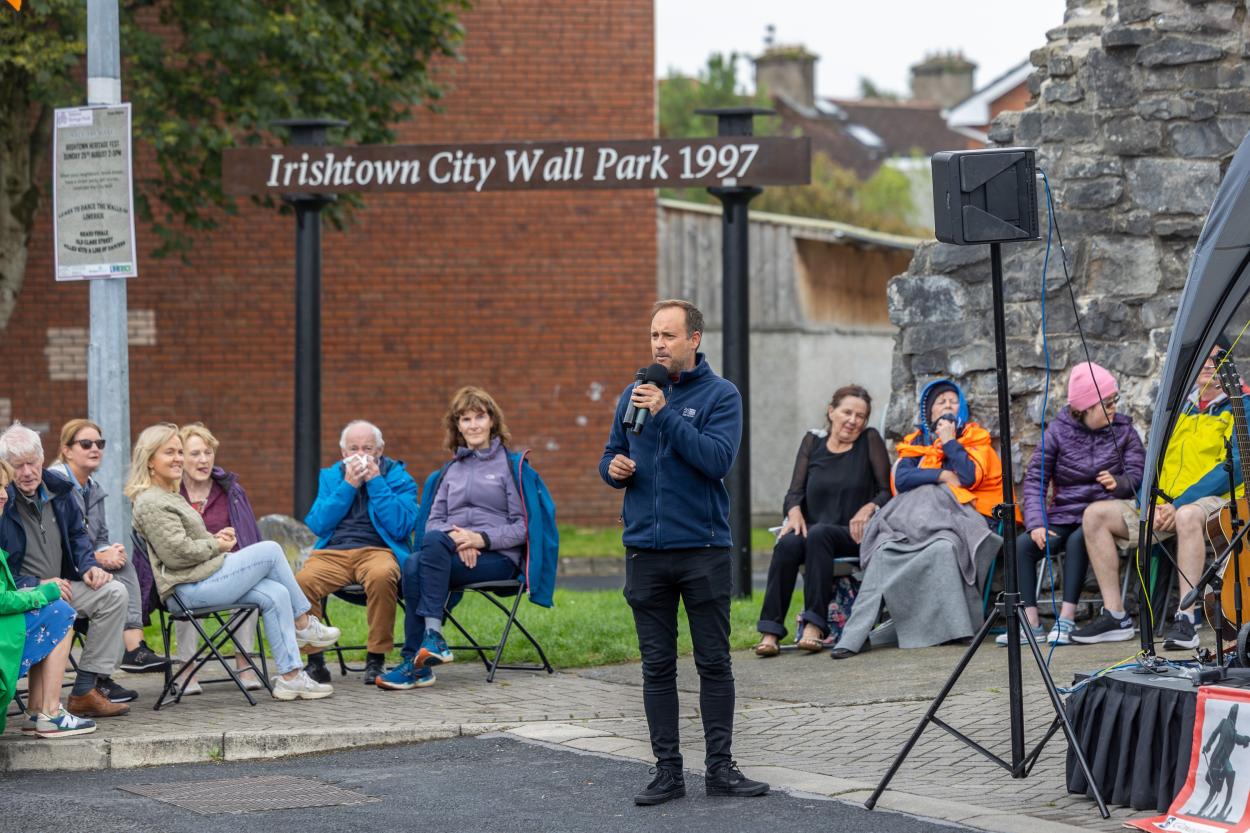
(694, 318)
(19, 441)
(377, 433)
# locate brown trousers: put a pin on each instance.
(374, 568)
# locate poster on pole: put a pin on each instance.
(1216, 794)
(92, 193)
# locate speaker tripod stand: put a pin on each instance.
(1009, 607)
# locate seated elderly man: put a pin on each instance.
(363, 517)
(43, 532)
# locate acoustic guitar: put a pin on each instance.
(1220, 526)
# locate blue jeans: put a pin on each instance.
(431, 572)
(260, 575)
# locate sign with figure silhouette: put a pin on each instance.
(1216, 795)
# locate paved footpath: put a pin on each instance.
(804, 723)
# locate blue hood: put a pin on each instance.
(961, 416)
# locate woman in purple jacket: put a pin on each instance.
(476, 531)
(217, 496)
(1092, 453)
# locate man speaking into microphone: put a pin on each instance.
(677, 541)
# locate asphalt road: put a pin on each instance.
(465, 784)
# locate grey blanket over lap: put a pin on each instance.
(924, 556)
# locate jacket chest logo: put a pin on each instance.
(688, 412)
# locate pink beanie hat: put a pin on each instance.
(1089, 384)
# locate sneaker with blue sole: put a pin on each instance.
(405, 676)
(434, 650)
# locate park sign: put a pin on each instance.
(507, 166)
(92, 194)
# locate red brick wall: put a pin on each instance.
(541, 298)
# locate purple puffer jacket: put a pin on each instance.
(1074, 456)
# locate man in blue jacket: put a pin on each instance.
(677, 543)
(363, 518)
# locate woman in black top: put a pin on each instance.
(841, 477)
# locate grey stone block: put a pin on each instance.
(1163, 107)
(1088, 167)
(1172, 186)
(1176, 51)
(1067, 127)
(1125, 37)
(915, 298)
(1103, 192)
(1122, 267)
(1065, 92)
(1198, 140)
(1132, 136)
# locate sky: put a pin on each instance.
(879, 39)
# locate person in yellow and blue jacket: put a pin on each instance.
(1193, 486)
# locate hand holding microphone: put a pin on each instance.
(647, 398)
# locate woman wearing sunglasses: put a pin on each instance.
(82, 451)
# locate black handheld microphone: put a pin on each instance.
(631, 410)
(656, 374)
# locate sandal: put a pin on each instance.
(767, 649)
(811, 644)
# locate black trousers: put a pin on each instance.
(815, 553)
(1071, 537)
(655, 580)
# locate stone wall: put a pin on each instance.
(1139, 106)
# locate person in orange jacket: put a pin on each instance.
(948, 447)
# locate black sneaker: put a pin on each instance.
(375, 666)
(727, 779)
(316, 668)
(113, 692)
(667, 785)
(143, 660)
(1181, 635)
(1104, 628)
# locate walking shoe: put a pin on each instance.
(1039, 633)
(95, 704)
(405, 676)
(63, 725)
(727, 779)
(190, 689)
(1104, 628)
(317, 635)
(114, 692)
(143, 660)
(316, 668)
(375, 667)
(1061, 633)
(667, 784)
(28, 725)
(300, 687)
(1181, 635)
(434, 650)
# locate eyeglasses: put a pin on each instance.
(85, 445)
(1111, 400)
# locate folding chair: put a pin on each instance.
(355, 594)
(224, 622)
(492, 591)
(227, 620)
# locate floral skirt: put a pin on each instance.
(45, 628)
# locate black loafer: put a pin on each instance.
(842, 653)
(667, 785)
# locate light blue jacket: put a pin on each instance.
(392, 505)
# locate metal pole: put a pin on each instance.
(307, 321)
(108, 358)
(736, 315)
(1007, 514)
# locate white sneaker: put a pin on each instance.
(317, 635)
(1061, 633)
(301, 687)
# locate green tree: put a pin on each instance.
(883, 202)
(204, 75)
(869, 89)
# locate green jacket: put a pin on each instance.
(13, 605)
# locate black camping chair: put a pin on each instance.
(217, 627)
(354, 594)
(490, 655)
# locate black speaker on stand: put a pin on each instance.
(990, 196)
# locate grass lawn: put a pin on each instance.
(589, 541)
(582, 629)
